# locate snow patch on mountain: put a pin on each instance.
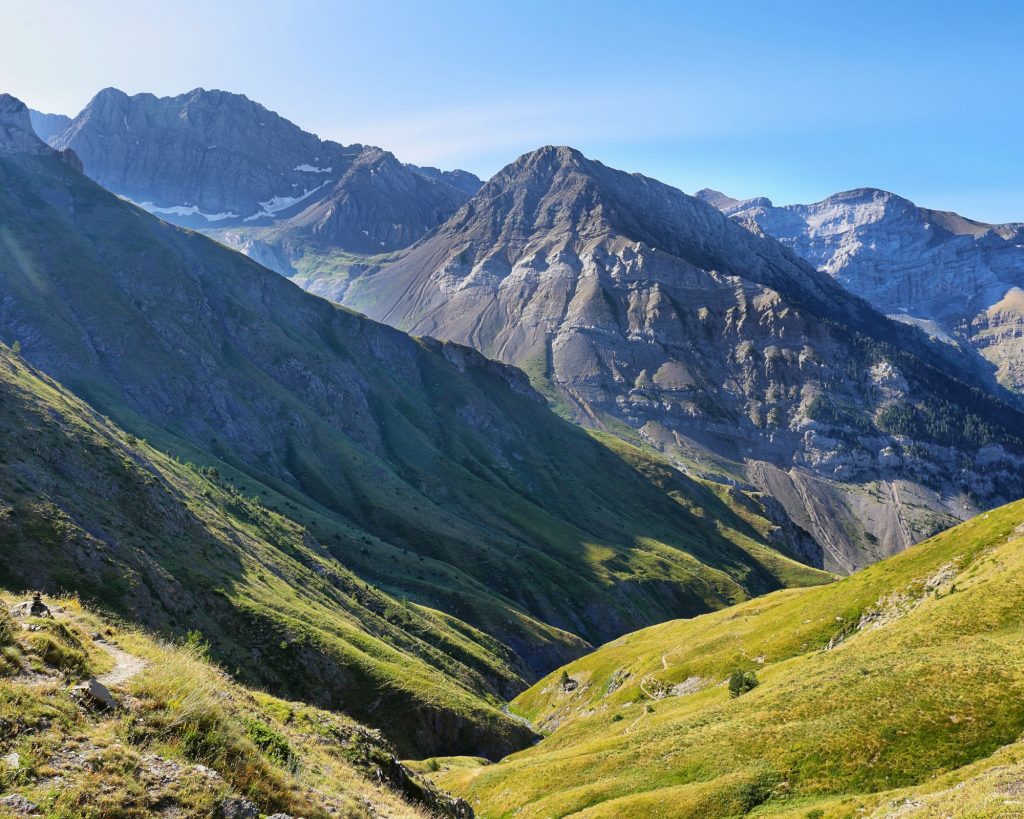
(276, 204)
(182, 210)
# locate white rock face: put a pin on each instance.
(957, 279)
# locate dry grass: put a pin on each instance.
(185, 737)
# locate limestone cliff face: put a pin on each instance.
(216, 160)
(640, 308)
(958, 279)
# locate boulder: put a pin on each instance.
(238, 808)
(95, 693)
(16, 803)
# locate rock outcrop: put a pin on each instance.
(18, 137)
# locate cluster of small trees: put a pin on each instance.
(740, 682)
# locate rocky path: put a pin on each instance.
(126, 666)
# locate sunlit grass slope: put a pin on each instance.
(86, 507)
(184, 738)
(892, 679)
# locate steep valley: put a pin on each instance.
(399, 527)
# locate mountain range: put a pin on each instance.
(643, 311)
(575, 405)
(959, 280)
(211, 159)
(578, 275)
(435, 476)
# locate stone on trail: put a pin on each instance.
(236, 808)
(96, 692)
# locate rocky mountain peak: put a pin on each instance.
(217, 160)
(18, 137)
(716, 198)
(16, 134)
(956, 278)
(629, 301)
(543, 169)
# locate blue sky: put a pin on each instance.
(793, 100)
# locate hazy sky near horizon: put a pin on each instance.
(792, 100)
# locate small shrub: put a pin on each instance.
(6, 628)
(617, 718)
(273, 744)
(741, 682)
(196, 644)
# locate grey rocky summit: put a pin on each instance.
(17, 135)
(217, 160)
(960, 280)
(637, 307)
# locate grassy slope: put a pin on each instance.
(926, 678)
(90, 508)
(416, 465)
(85, 506)
(180, 712)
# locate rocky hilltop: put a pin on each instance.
(958, 279)
(640, 310)
(212, 159)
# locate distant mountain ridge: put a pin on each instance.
(644, 311)
(47, 126)
(215, 159)
(957, 278)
